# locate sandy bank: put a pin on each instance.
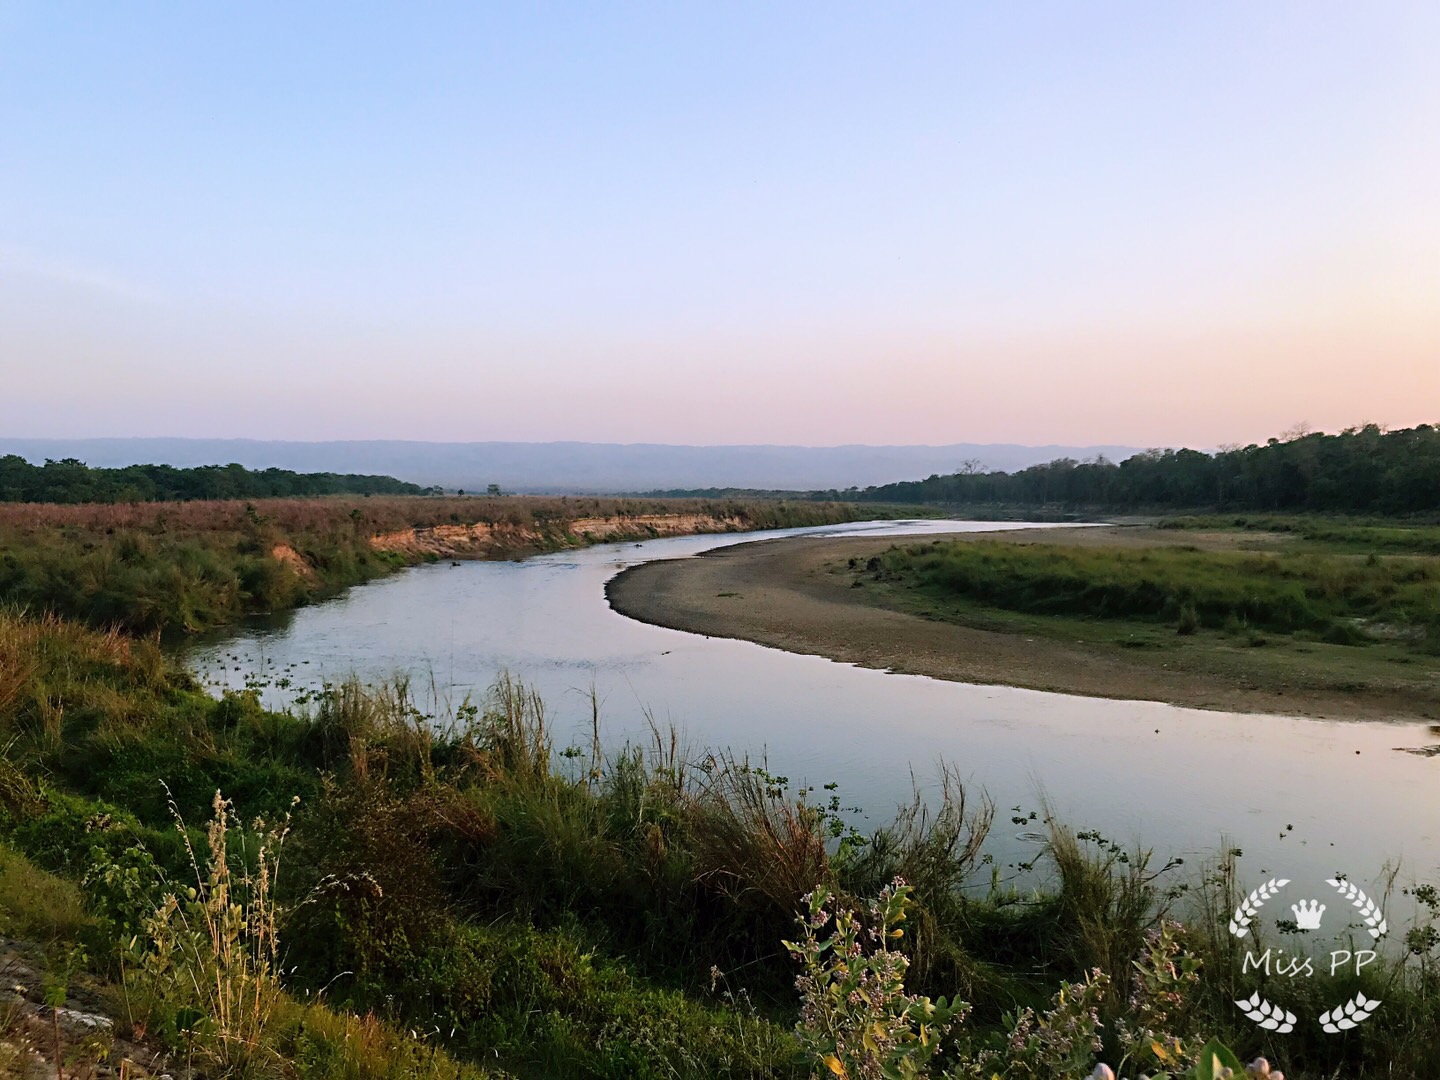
(795, 595)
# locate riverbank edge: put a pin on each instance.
(486, 540)
(788, 597)
(402, 549)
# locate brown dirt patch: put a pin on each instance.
(290, 557)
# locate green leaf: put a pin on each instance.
(188, 1019)
(1214, 1057)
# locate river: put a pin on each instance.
(1302, 798)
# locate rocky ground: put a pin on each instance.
(74, 1041)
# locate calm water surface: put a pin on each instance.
(1302, 798)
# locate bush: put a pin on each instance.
(1189, 620)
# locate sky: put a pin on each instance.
(1134, 223)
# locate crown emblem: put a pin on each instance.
(1307, 914)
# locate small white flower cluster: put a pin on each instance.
(1259, 1069)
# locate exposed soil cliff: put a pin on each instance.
(501, 540)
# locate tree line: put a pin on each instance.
(72, 481)
(1361, 470)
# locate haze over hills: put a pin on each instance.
(573, 467)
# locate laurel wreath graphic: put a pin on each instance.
(1270, 1017)
(1251, 905)
(1369, 910)
(1341, 1018)
(1344, 1017)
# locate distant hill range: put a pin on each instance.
(570, 467)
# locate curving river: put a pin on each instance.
(1302, 798)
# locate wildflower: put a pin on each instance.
(1259, 1069)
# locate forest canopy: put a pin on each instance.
(72, 481)
(1362, 470)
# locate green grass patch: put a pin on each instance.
(36, 905)
(1363, 536)
(1338, 599)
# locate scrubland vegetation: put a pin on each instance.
(459, 896)
(1318, 596)
(189, 566)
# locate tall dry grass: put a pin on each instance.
(210, 971)
(752, 836)
(190, 566)
(373, 514)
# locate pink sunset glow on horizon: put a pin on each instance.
(799, 226)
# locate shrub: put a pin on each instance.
(1189, 620)
(855, 1017)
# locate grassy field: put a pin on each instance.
(188, 566)
(1365, 536)
(1304, 610)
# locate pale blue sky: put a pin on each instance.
(1131, 223)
